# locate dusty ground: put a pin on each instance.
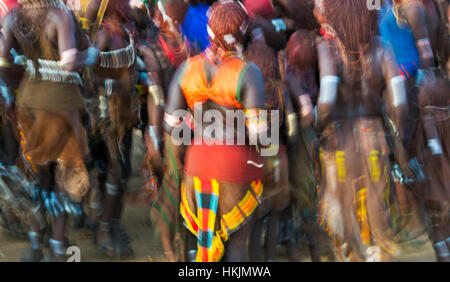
(147, 246)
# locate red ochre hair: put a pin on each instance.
(227, 18)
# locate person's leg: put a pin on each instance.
(35, 234)
(54, 206)
(438, 232)
(411, 225)
(312, 235)
(103, 235)
(111, 236)
(35, 237)
(272, 236)
(237, 244)
(112, 198)
(255, 242)
(191, 242)
(57, 240)
(120, 236)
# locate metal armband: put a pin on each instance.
(425, 48)
(435, 146)
(153, 136)
(292, 124)
(157, 94)
(398, 91)
(328, 89)
(35, 240)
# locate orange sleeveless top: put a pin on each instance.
(224, 88)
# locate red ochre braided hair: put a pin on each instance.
(354, 24)
(354, 28)
(301, 51)
(175, 10)
(265, 58)
(227, 24)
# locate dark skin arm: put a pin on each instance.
(60, 29)
(155, 100)
(327, 66)
(253, 92)
(155, 108)
(397, 111)
(253, 88)
(416, 17)
(175, 98)
(301, 99)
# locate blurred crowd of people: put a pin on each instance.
(358, 96)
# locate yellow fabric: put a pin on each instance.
(229, 221)
(374, 166)
(341, 167)
(362, 216)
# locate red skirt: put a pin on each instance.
(228, 163)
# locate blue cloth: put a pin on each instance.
(194, 26)
(402, 41)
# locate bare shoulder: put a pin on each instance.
(149, 58)
(324, 45)
(253, 70)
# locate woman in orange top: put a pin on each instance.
(222, 183)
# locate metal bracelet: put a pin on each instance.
(112, 190)
(152, 133)
(157, 95)
(35, 240)
(57, 247)
(328, 89)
